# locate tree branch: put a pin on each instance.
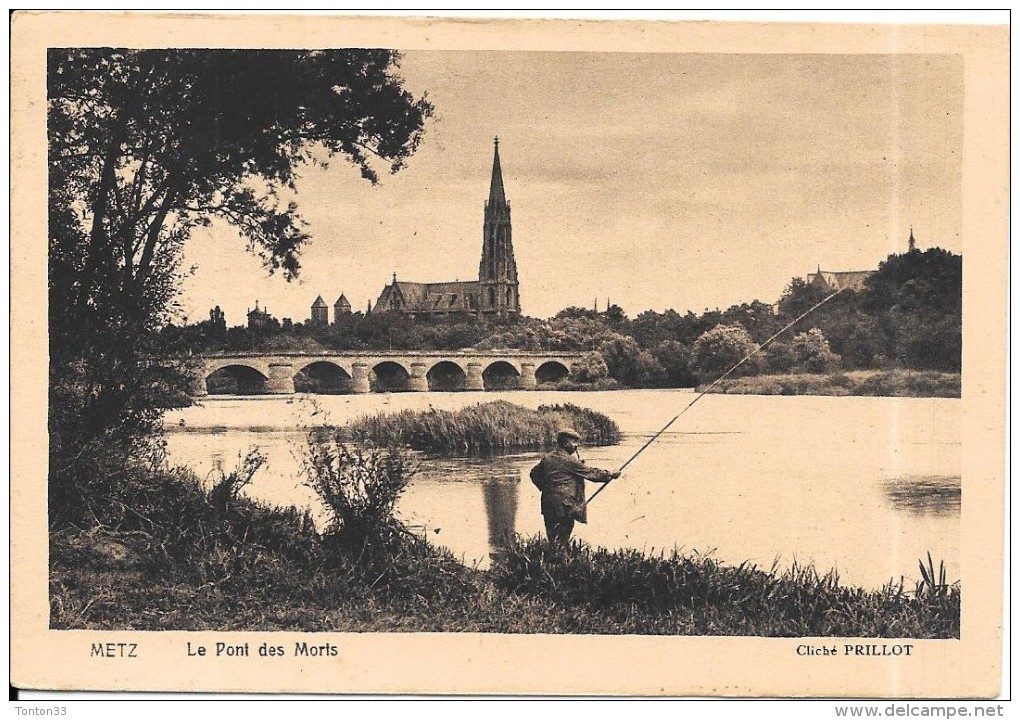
(107, 184)
(152, 237)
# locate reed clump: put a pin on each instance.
(482, 429)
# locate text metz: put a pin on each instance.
(114, 650)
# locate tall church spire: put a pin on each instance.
(497, 272)
(496, 194)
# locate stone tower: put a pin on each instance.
(320, 312)
(341, 307)
(497, 273)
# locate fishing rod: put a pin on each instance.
(716, 382)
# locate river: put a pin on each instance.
(865, 485)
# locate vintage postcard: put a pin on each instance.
(442, 356)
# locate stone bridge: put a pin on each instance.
(362, 372)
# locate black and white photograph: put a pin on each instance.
(416, 356)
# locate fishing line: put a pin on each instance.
(716, 382)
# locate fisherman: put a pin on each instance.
(560, 476)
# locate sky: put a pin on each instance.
(654, 181)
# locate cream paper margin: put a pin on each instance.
(464, 663)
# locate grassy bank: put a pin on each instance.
(188, 558)
(876, 383)
(696, 595)
(484, 428)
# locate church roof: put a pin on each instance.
(319, 302)
(840, 280)
(439, 296)
(342, 301)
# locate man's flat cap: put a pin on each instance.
(567, 433)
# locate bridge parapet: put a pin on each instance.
(416, 371)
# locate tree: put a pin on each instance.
(722, 347)
(574, 312)
(799, 296)
(756, 317)
(675, 359)
(779, 356)
(615, 316)
(866, 346)
(919, 296)
(929, 281)
(651, 328)
(812, 354)
(928, 342)
(628, 364)
(146, 146)
(590, 369)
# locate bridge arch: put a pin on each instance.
(501, 375)
(389, 376)
(446, 375)
(551, 371)
(323, 377)
(360, 372)
(236, 379)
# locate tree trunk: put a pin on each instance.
(107, 182)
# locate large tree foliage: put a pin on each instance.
(917, 282)
(145, 146)
(721, 348)
(152, 143)
(812, 353)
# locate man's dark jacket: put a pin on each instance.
(560, 477)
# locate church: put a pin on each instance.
(495, 293)
(831, 281)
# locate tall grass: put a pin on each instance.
(932, 585)
(594, 427)
(193, 558)
(874, 383)
(698, 595)
(481, 429)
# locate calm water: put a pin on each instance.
(865, 485)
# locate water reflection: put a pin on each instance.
(502, 468)
(925, 494)
(741, 475)
(474, 500)
(501, 512)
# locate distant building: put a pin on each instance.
(259, 318)
(320, 312)
(496, 290)
(217, 319)
(831, 281)
(342, 306)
